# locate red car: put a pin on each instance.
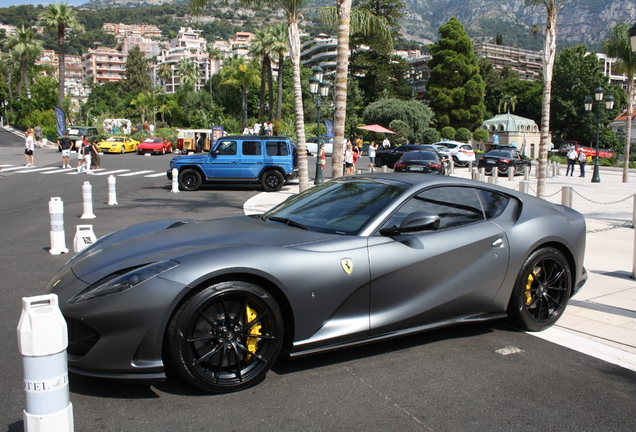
(154, 145)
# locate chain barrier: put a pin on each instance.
(624, 224)
(603, 203)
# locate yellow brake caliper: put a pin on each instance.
(529, 287)
(250, 315)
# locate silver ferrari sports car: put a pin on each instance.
(355, 260)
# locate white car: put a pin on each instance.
(461, 153)
(312, 146)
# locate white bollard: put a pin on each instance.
(58, 241)
(42, 341)
(87, 196)
(84, 237)
(523, 186)
(175, 180)
(452, 166)
(567, 196)
(634, 228)
(112, 190)
(511, 173)
(384, 168)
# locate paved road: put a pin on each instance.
(479, 377)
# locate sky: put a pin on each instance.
(7, 3)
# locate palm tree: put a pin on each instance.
(23, 43)
(237, 73)
(188, 72)
(60, 17)
(213, 54)
(367, 23)
(619, 47)
(261, 47)
(535, 30)
(280, 47)
(552, 8)
(164, 73)
(508, 102)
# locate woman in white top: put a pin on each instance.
(28, 148)
(372, 148)
(348, 158)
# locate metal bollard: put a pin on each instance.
(384, 168)
(482, 174)
(523, 186)
(452, 166)
(526, 173)
(112, 190)
(58, 241)
(511, 173)
(175, 180)
(84, 237)
(87, 196)
(495, 175)
(567, 196)
(42, 341)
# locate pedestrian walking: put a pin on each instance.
(28, 148)
(95, 159)
(85, 151)
(572, 155)
(582, 162)
(65, 145)
(348, 158)
(199, 142)
(372, 149)
(79, 148)
(37, 131)
(322, 156)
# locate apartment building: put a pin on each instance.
(74, 83)
(528, 64)
(102, 65)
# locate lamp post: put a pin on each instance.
(320, 90)
(412, 77)
(598, 116)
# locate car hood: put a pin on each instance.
(179, 239)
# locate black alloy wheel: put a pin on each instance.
(272, 181)
(190, 180)
(541, 291)
(226, 337)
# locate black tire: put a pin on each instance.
(272, 181)
(503, 170)
(123, 149)
(379, 162)
(541, 291)
(190, 180)
(226, 337)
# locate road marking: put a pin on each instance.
(112, 172)
(60, 170)
(135, 173)
(15, 168)
(156, 175)
(6, 165)
(83, 172)
(27, 170)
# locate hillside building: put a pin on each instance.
(102, 65)
(528, 64)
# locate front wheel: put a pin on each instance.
(190, 180)
(226, 337)
(123, 149)
(273, 181)
(379, 162)
(541, 291)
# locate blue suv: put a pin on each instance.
(269, 160)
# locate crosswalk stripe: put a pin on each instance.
(29, 170)
(59, 171)
(74, 171)
(135, 173)
(112, 172)
(15, 168)
(156, 175)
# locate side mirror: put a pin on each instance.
(413, 222)
(214, 153)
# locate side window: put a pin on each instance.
(456, 206)
(251, 148)
(493, 203)
(277, 148)
(227, 148)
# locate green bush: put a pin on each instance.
(463, 135)
(448, 133)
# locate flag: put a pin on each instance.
(60, 118)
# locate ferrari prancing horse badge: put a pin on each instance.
(347, 265)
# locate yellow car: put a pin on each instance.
(118, 144)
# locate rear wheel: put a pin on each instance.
(541, 291)
(123, 149)
(379, 162)
(190, 180)
(459, 163)
(273, 181)
(226, 337)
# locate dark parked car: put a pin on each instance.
(391, 254)
(426, 162)
(390, 157)
(503, 160)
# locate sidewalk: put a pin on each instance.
(600, 320)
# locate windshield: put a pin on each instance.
(115, 139)
(419, 155)
(340, 206)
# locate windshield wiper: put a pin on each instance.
(287, 222)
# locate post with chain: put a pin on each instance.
(634, 227)
(567, 196)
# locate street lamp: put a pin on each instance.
(412, 77)
(320, 90)
(589, 104)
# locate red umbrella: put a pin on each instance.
(376, 128)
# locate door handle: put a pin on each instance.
(498, 242)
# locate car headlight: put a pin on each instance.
(124, 282)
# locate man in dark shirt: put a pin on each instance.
(65, 144)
